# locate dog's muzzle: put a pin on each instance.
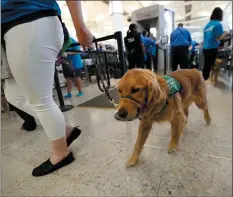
(122, 113)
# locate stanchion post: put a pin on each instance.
(118, 36)
(63, 107)
(165, 61)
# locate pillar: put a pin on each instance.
(116, 13)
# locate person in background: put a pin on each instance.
(101, 48)
(192, 51)
(33, 36)
(134, 47)
(148, 43)
(75, 73)
(153, 52)
(4, 103)
(180, 41)
(213, 33)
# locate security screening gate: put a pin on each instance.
(156, 16)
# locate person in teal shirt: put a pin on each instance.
(153, 53)
(148, 43)
(75, 74)
(213, 33)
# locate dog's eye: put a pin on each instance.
(120, 91)
(134, 90)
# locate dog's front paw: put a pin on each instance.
(170, 151)
(131, 163)
(172, 148)
(208, 120)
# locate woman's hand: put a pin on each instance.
(85, 38)
(222, 36)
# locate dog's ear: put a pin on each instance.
(154, 90)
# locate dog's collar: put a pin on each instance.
(142, 105)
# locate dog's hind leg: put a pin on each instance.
(186, 109)
(177, 126)
(206, 113)
(144, 130)
(211, 76)
(201, 101)
(202, 104)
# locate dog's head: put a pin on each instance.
(216, 64)
(137, 89)
(218, 61)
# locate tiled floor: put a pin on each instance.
(202, 166)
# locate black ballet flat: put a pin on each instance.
(73, 135)
(47, 167)
(29, 126)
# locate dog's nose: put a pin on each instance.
(122, 113)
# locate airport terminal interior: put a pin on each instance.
(202, 163)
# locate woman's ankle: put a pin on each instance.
(68, 130)
(57, 157)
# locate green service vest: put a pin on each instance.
(173, 86)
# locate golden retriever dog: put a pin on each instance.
(145, 95)
(214, 73)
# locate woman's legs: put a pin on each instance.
(209, 59)
(69, 85)
(78, 81)
(155, 63)
(16, 97)
(148, 61)
(31, 52)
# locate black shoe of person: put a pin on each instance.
(73, 135)
(47, 167)
(29, 125)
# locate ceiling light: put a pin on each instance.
(115, 7)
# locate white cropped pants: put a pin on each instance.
(31, 50)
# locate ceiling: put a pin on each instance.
(194, 14)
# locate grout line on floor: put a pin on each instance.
(159, 185)
(156, 147)
(217, 157)
(227, 146)
(157, 136)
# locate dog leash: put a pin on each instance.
(99, 75)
